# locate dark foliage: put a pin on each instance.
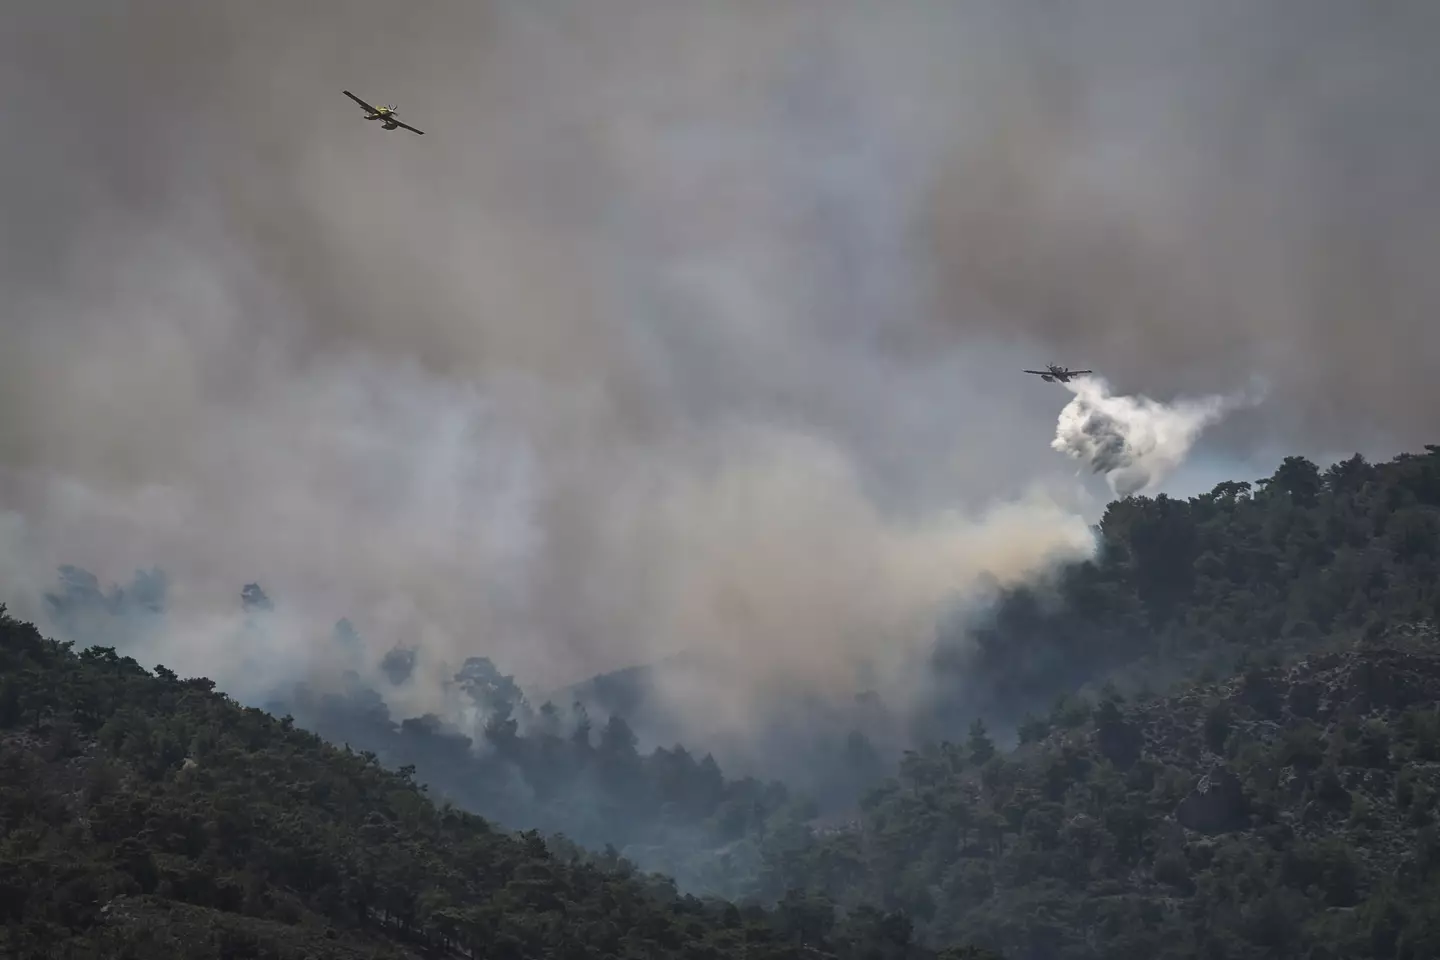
(1237, 575)
(149, 816)
(1299, 823)
(551, 770)
(562, 775)
(1287, 812)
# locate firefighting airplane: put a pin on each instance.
(386, 114)
(1051, 373)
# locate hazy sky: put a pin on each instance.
(685, 322)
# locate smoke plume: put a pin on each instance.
(685, 325)
(1190, 196)
(1135, 442)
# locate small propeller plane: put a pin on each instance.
(385, 114)
(1051, 373)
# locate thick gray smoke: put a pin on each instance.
(1190, 196)
(1135, 442)
(684, 324)
(594, 372)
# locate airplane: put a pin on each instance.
(1051, 373)
(385, 114)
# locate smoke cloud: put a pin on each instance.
(1135, 442)
(1187, 197)
(685, 325)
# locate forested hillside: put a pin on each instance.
(1283, 566)
(1181, 588)
(667, 809)
(1286, 813)
(548, 768)
(1303, 560)
(148, 816)
(1228, 725)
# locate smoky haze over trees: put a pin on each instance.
(688, 334)
(150, 816)
(578, 769)
(1300, 561)
(556, 381)
(1279, 801)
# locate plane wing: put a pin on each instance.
(1076, 373)
(407, 126)
(1041, 373)
(359, 101)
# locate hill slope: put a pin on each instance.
(1287, 813)
(552, 769)
(1259, 817)
(1281, 567)
(1286, 565)
(1303, 559)
(148, 816)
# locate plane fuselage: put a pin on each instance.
(1053, 373)
(385, 114)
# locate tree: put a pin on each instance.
(979, 744)
(254, 600)
(1298, 479)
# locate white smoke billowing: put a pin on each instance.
(795, 586)
(618, 360)
(686, 325)
(1134, 441)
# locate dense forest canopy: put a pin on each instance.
(1275, 802)
(1291, 562)
(144, 815)
(1289, 812)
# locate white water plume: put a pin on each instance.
(1134, 441)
